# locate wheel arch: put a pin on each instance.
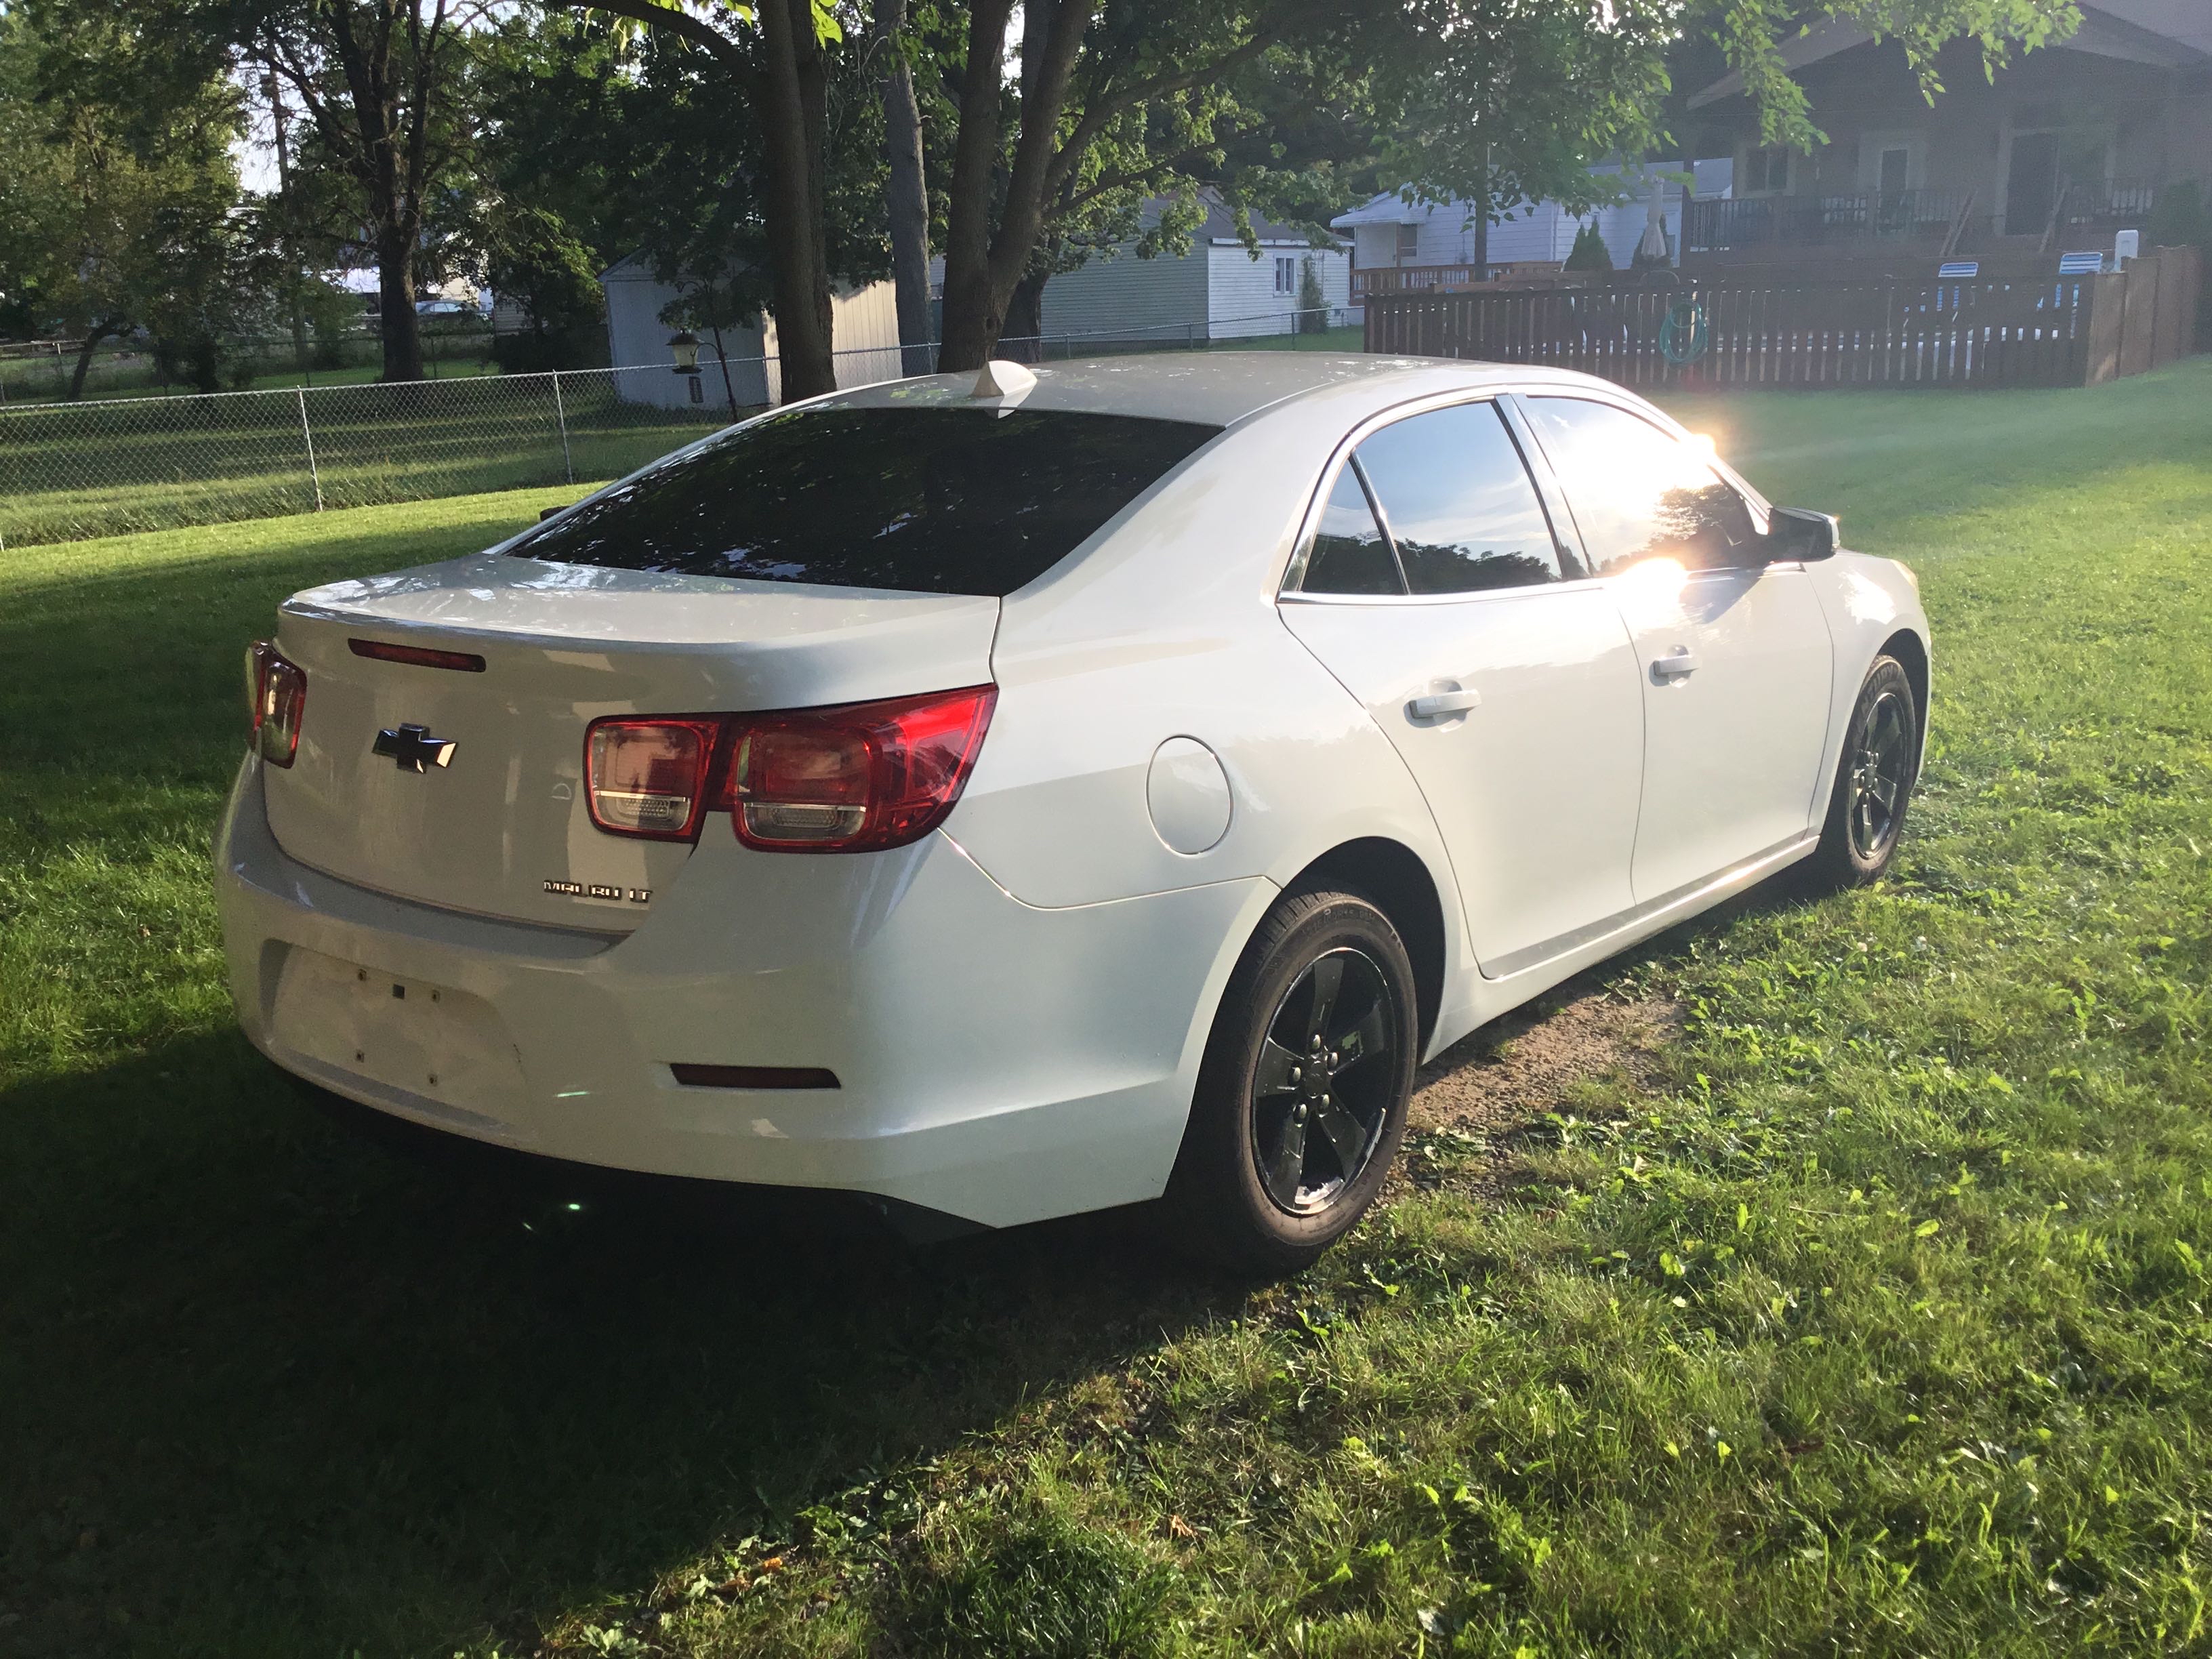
(1911, 653)
(1398, 881)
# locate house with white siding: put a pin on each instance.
(1218, 290)
(863, 333)
(1391, 234)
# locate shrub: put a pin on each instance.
(1588, 252)
(1313, 304)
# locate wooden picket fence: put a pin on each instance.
(2051, 331)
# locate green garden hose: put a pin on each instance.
(1682, 334)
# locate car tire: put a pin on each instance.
(1290, 1138)
(1874, 778)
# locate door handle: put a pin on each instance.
(1679, 664)
(1432, 704)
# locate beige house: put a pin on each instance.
(2065, 147)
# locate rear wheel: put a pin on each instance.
(1301, 1101)
(1875, 777)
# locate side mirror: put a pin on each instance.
(1798, 533)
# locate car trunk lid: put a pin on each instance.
(500, 827)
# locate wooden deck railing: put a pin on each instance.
(1446, 279)
(2051, 331)
(1412, 279)
(1720, 225)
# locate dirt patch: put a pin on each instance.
(1517, 1067)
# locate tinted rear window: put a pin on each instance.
(932, 501)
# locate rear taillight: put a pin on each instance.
(854, 778)
(648, 778)
(857, 778)
(277, 697)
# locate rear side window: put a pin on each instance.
(930, 500)
(1350, 555)
(1460, 506)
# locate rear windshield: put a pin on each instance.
(932, 501)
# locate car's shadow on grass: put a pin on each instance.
(271, 1388)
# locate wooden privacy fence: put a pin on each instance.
(1711, 331)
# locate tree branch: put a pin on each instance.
(425, 51)
(681, 25)
(1099, 114)
(1108, 183)
(328, 123)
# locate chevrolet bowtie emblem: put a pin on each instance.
(413, 749)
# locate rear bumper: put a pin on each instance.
(996, 1062)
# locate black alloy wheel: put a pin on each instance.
(1875, 777)
(1301, 1098)
(1321, 1092)
(1881, 762)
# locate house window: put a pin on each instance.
(1409, 243)
(1765, 172)
(1286, 275)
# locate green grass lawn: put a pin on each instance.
(1875, 1322)
(132, 375)
(69, 471)
(1329, 339)
(147, 461)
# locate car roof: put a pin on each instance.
(1215, 387)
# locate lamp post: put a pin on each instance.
(684, 348)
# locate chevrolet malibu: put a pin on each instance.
(1020, 796)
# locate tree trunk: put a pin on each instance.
(395, 299)
(1053, 34)
(907, 196)
(971, 321)
(1025, 318)
(794, 119)
(93, 337)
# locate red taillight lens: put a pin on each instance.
(649, 777)
(857, 778)
(277, 696)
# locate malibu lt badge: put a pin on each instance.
(599, 891)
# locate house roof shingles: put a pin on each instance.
(2172, 32)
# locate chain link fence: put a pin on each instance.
(46, 371)
(76, 470)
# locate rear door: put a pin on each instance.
(1733, 654)
(1434, 587)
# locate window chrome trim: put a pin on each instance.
(1472, 595)
(1708, 573)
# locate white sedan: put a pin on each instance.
(1012, 798)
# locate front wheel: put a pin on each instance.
(1875, 777)
(1301, 1099)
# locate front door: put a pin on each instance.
(1893, 210)
(2031, 183)
(1437, 592)
(1734, 655)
